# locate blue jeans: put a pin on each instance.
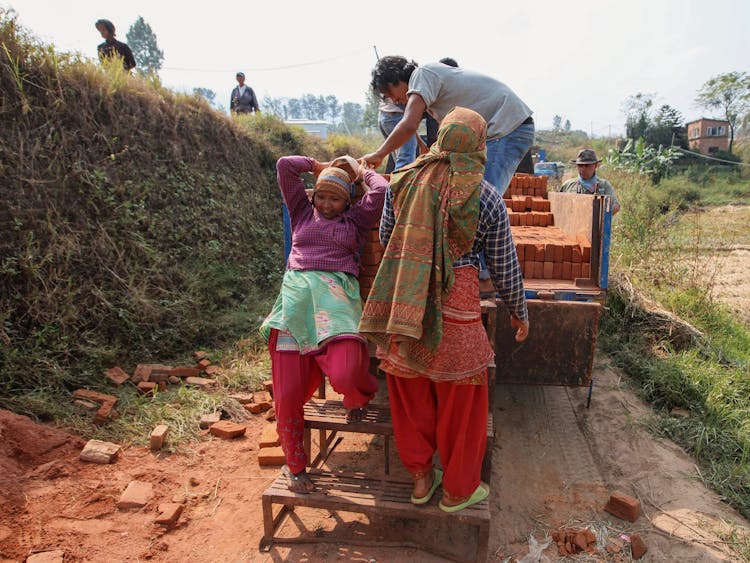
(505, 154)
(408, 152)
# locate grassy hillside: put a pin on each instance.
(136, 224)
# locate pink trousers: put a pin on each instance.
(296, 377)
(443, 416)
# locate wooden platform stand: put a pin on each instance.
(373, 497)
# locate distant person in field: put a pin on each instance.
(312, 329)
(587, 181)
(112, 47)
(243, 98)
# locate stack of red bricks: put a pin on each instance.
(372, 254)
(526, 199)
(544, 251)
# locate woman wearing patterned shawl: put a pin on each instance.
(424, 311)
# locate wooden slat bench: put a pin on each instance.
(357, 493)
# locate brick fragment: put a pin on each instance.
(88, 405)
(227, 429)
(203, 364)
(185, 372)
(96, 451)
(207, 420)
(199, 355)
(158, 436)
(242, 398)
(212, 371)
(169, 514)
(142, 372)
(159, 376)
(55, 556)
(136, 495)
(271, 456)
(145, 387)
(268, 386)
(637, 546)
(201, 382)
(116, 375)
(105, 413)
(269, 437)
(623, 506)
(258, 407)
(94, 396)
(270, 415)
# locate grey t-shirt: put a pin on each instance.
(444, 87)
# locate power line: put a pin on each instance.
(271, 69)
(711, 157)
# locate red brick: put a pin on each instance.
(213, 371)
(136, 495)
(116, 375)
(270, 414)
(538, 270)
(271, 456)
(258, 407)
(623, 506)
(226, 429)
(143, 371)
(269, 437)
(567, 271)
(557, 271)
(146, 387)
(185, 372)
(549, 270)
(169, 514)
(520, 252)
(575, 272)
(96, 451)
(203, 364)
(528, 269)
(268, 387)
(55, 556)
(577, 257)
(567, 253)
(542, 219)
(201, 382)
(106, 412)
(94, 396)
(208, 420)
(637, 547)
(199, 355)
(558, 253)
(585, 270)
(158, 436)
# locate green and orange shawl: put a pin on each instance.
(436, 206)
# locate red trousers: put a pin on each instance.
(442, 416)
(296, 377)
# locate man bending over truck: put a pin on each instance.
(588, 182)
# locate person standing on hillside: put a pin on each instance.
(312, 329)
(437, 88)
(587, 181)
(243, 98)
(112, 47)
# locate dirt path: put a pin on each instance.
(554, 465)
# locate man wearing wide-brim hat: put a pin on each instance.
(587, 181)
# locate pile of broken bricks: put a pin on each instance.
(572, 541)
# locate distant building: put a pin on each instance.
(318, 128)
(708, 136)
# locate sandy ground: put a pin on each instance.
(555, 463)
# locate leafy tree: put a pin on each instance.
(206, 93)
(370, 115)
(666, 128)
(352, 117)
(557, 122)
(277, 107)
(637, 114)
(142, 42)
(294, 108)
(566, 127)
(729, 92)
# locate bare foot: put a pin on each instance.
(356, 415)
(298, 482)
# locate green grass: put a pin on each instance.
(712, 379)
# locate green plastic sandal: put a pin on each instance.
(479, 494)
(435, 484)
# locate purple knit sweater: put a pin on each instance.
(327, 244)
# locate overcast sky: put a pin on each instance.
(577, 59)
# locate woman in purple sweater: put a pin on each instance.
(312, 328)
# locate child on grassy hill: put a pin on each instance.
(312, 328)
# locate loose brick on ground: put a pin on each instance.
(56, 556)
(207, 420)
(637, 547)
(212, 371)
(268, 386)
(158, 436)
(271, 456)
(94, 396)
(169, 514)
(269, 437)
(143, 371)
(199, 355)
(203, 364)
(183, 372)
(96, 451)
(88, 405)
(242, 398)
(270, 415)
(106, 412)
(227, 429)
(136, 495)
(145, 387)
(202, 382)
(116, 375)
(623, 506)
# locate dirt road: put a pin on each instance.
(554, 465)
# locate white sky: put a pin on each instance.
(577, 59)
